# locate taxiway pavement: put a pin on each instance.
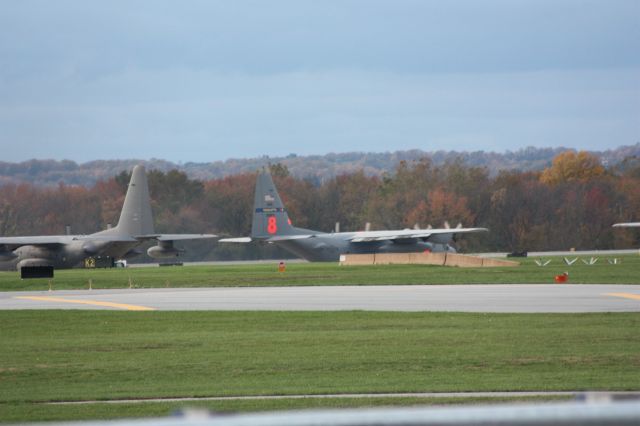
(517, 298)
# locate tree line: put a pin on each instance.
(319, 168)
(570, 204)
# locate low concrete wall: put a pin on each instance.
(454, 259)
(357, 259)
(393, 258)
(430, 258)
(410, 258)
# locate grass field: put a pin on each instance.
(101, 355)
(87, 355)
(330, 274)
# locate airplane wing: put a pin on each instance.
(39, 239)
(290, 237)
(106, 238)
(366, 236)
(175, 237)
(12, 243)
(627, 225)
(402, 234)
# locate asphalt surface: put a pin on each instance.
(462, 298)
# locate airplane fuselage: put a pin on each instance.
(69, 254)
(329, 247)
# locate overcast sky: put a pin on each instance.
(210, 80)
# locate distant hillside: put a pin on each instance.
(315, 167)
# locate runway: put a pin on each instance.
(516, 298)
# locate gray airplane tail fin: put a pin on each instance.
(270, 218)
(135, 217)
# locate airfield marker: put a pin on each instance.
(625, 295)
(124, 306)
(562, 278)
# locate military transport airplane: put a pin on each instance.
(271, 224)
(36, 256)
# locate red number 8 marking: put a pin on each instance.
(272, 227)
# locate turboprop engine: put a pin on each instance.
(163, 250)
(33, 262)
(444, 239)
(90, 248)
(6, 255)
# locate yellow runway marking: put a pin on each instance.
(88, 302)
(625, 295)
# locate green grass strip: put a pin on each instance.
(93, 355)
(307, 274)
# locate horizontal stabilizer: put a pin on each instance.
(235, 240)
(627, 225)
(270, 239)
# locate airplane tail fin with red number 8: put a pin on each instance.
(270, 218)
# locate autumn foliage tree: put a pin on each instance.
(571, 166)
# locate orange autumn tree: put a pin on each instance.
(571, 166)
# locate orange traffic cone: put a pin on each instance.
(562, 278)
